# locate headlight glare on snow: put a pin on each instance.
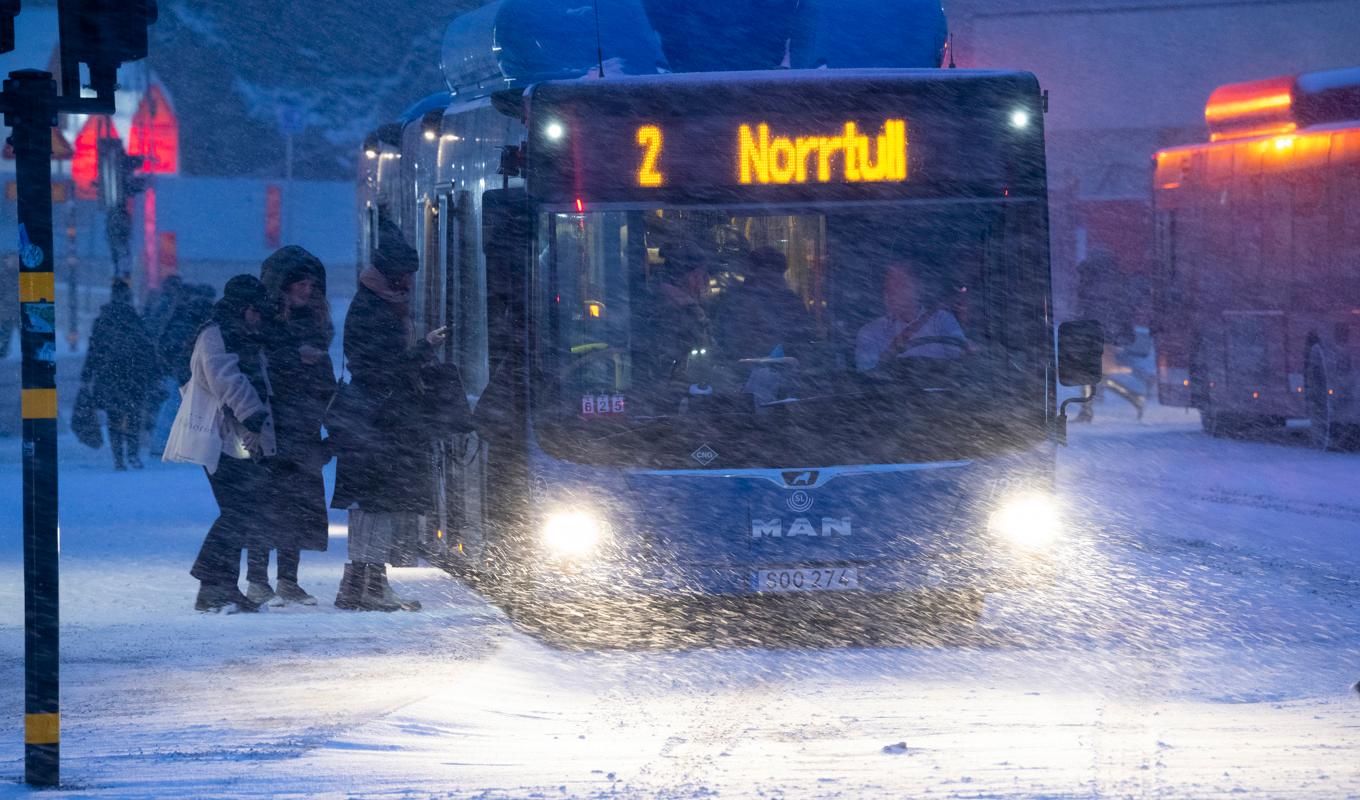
(1029, 520)
(572, 534)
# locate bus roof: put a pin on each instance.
(795, 76)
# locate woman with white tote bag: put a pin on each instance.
(224, 424)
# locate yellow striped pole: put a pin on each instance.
(30, 102)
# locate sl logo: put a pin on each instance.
(800, 501)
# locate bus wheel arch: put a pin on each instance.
(1325, 429)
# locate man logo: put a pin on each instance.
(803, 477)
(801, 526)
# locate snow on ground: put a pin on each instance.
(1201, 643)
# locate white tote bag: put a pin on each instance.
(196, 436)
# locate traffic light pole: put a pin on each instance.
(30, 106)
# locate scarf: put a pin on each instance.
(397, 298)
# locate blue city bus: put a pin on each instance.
(741, 335)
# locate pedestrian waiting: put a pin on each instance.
(296, 339)
(383, 475)
(225, 425)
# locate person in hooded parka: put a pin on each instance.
(383, 475)
(120, 369)
(297, 339)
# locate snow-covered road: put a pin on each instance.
(1202, 643)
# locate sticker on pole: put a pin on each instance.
(29, 253)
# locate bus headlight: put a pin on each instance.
(1029, 520)
(572, 534)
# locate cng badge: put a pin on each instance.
(704, 455)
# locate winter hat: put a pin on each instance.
(393, 256)
(290, 264)
(119, 291)
(240, 293)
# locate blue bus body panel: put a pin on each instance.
(904, 527)
(744, 519)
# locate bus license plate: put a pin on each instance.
(805, 579)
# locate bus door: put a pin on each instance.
(461, 464)
(495, 457)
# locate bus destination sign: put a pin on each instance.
(764, 156)
(795, 139)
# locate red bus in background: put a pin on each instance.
(1257, 317)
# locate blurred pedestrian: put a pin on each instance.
(383, 476)
(174, 346)
(1109, 296)
(161, 304)
(179, 332)
(9, 300)
(297, 341)
(120, 369)
(225, 425)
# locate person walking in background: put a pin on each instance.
(383, 476)
(120, 369)
(225, 425)
(9, 300)
(1108, 295)
(174, 344)
(302, 376)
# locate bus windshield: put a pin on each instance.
(683, 338)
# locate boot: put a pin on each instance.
(116, 444)
(349, 596)
(224, 599)
(290, 592)
(373, 598)
(261, 595)
(390, 596)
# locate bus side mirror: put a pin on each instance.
(505, 225)
(1081, 344)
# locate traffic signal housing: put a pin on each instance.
(9, 9)
(102, 34)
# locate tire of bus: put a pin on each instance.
(1234, 425)
(1324, 432)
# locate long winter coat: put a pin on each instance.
(121, 365)
(301, 393)
(384, 458)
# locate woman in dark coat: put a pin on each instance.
(383, 476)
(303, 379)
(120, 369)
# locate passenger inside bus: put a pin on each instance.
(762, 313)
(679, 328)
(910, 327)
(763, 326)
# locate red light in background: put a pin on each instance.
(273, 216)
(580, 206)
(155, 134)
(85, 163)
